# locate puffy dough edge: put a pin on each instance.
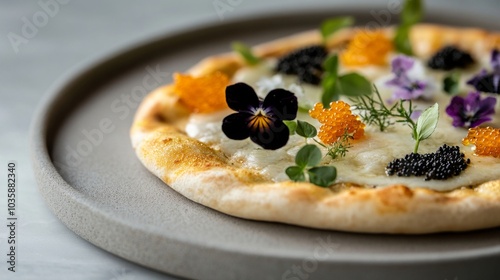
(204, 175)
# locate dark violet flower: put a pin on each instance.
(488, 82)
(406, 87)
(262, 121)
(495, 61)
(471, 111)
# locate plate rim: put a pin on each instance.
(46, 171)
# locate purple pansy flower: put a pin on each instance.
(406, 87)
(261, 120)
(488, 82)
(471, 111)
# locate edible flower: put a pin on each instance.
(266, 85)
(472, 110)
(262, 121)
(407, 88)
(488, 82)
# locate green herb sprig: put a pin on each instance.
(373, 111)
(339, 147)
(307, 161)
(308, 158)
(335, 85)
(332, 25)
(246, 53)
(411, 14)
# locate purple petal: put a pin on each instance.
(416, 93)
(416, 114)
(395, 82)
(273, 137)
(488, 82)
(241, 97)
(486, 107)
(401, 64)
(402, 93)
(282, 103)
(456, 107)
(399, 81)
(495, 60)
(476, 79)
(235, 126)
(471, 111)
(406, 88)
(496, 80)
(479, 121)
(419, 86)
(471, 102)
(458, 122)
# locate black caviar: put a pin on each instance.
(446, 162)
(449, 58)
(306, 63)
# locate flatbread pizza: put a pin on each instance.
(376, 131)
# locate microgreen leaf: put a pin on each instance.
(412, 12)
(427, 122)
(331, 65)
(322, 176)
(245, 52)
(330, 26)
(292, 126)
(331, 90)
(353, 84)
(304, 108)
(402, 40)
(309, 155)
(295, 173)
(306, 129)
(451, 83)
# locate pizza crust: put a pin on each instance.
(205, 175)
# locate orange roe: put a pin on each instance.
(205, 94)
(367, 47)
(486, 139)
(336, 121)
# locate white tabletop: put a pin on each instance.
(40, 42)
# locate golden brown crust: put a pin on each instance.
(205, 175)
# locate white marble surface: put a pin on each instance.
(78, 32)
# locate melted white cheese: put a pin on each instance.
(366, 160)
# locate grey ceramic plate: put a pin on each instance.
(91, 179)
